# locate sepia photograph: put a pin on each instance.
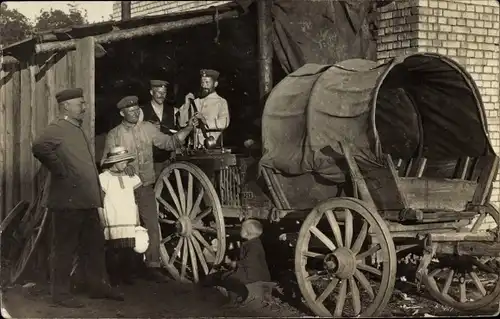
(250, 158)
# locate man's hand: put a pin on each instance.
(129, 170)
(249, 143)
(201, 118)
(193, 121)
(189, 96)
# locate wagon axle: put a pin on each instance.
(340, 263)
(184, 226)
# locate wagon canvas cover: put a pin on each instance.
(426, 105)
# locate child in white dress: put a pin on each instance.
(120, 215)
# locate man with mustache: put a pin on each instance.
(139, 137)
(212, 108)
(162, 116)
(74, 198)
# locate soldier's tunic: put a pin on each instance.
(165, 121)
(215, 110)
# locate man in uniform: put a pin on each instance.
(74, 196)
(212, 108)
(139, 137)
(162, 116)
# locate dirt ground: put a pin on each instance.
(174, 299)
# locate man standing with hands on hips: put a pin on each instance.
(74, 196)
(211, 107)
(139, 137)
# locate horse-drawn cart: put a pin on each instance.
(372, 161)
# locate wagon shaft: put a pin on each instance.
(479, 249)
(463, 236)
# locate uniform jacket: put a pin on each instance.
(252, 265)
(215, 110)
(64, 149)
(167, 122)
(139, 140)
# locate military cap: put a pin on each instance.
(128, 101)
(69, 94)
(158, 83)
(210, 73)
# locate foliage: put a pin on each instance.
(57, 19)
(14, 26)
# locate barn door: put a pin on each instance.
(85, 79)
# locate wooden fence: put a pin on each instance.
(28, 105)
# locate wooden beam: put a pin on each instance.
(126, 10)
(264, 26)
(135, 33)
(85, 79)
(6, 60)
(3, 152)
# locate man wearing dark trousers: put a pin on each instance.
(74, 197)
(162, 116)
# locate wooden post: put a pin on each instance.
(136, 32)
(85, 79)
(126, 10)
(264, 24)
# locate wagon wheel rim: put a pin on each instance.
(192, 214)
(344, 259)
(30, 244)
(469, 288)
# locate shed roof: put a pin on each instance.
(94, 29)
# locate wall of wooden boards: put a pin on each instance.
(27, 106)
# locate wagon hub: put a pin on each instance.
(184, 226)
(340, 263)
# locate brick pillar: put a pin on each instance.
(465, 30)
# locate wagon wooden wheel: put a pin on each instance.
(332, 250)
(191, 222)
(466, 283)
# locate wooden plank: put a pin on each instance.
(3, 152)
(487, 174)
(50, 91)
(42, 110)
(9, 138)
(25, 156)
(437, 194)
(16, 120)
(71, 74)
(85, 78)
(34, 163)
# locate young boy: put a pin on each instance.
(120, 215)
(251, 266)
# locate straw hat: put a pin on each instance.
(118, 154)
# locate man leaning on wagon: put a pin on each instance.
(212, 109)
(139, 137)
(74, 197)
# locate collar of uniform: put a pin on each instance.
(156, 106)
(128, 125)
(72, 121)
(211, 95)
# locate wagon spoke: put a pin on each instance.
(197, 203)
(180, 188)
(364, 283)
(448, 282)
(205, 229)
(369, 252)
(335, 227)
(477, 282)
(168, 207)
(369, 269)
(204, 214)
(189, 200)
(168, 238)
(325, 240)
(202, 240)
(478, 222)
(184, 258)
(199, 252)
(356, 247)
(348, 228)
(176, 251)
(356, 299)
(435, 272)
(328, 290)
(314, 277)
(313, 254)
(463, 297)
(194, 261)
(166, 221)
(173, 195)
(341, 299)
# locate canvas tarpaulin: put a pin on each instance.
(426, 106)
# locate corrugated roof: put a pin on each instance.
(81, 31)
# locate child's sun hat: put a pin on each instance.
(118, 154)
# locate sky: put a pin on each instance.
(97, 10)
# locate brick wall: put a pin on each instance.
(465, 30)
(142, 8)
